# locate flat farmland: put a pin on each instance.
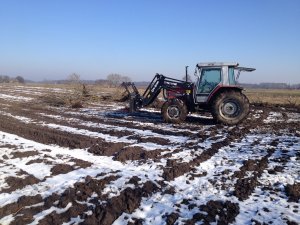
(274, 96)
(100, 164)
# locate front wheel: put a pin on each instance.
(174, 111)
(230, 107)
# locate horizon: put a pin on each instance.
(28, 81)
(51, 40)
(104, 78)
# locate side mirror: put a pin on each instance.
(196, 72)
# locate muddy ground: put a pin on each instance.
(100, 164)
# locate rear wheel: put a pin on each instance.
(230, 107)
(174, 111)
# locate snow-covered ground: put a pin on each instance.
(189, 165)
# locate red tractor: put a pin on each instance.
(216, 90)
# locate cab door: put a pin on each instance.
(207, 82)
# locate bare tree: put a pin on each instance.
(126, 79)
(20, 79)
(4, 79)
(74, 78)
(114, 79)
(78, 88)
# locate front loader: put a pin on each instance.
(216, 90)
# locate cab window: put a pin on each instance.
(210, 78)
(231, 76)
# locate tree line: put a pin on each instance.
(112, 80)
(7, 79)
(115, 79)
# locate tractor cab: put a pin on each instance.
(212, 77)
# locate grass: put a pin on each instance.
(78, 94)
(274, 96)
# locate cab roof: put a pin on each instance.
(219, 64)
(209, 64)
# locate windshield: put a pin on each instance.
(210, 78)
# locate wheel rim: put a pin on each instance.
(230, 109)
(173, 112)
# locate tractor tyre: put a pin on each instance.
(230, 107)
(174, 111)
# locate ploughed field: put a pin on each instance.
(102, 165)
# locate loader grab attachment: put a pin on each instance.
(134, 96)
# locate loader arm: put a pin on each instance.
(153, 90)
(158, 83)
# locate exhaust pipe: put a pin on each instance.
(186, 73)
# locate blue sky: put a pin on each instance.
(138, 38)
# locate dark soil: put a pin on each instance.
(107, 149)
(81, 192)
(40, 160)
(81, 163)
(51, 136)
(216, 212)
(175, 169)
(61, 169)
(171, 219)
(245, 186)
(136, 153)
(15, 183)
(156, 140)
(127, 201)
(293, 192)
(18, 154)
(17, 207)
